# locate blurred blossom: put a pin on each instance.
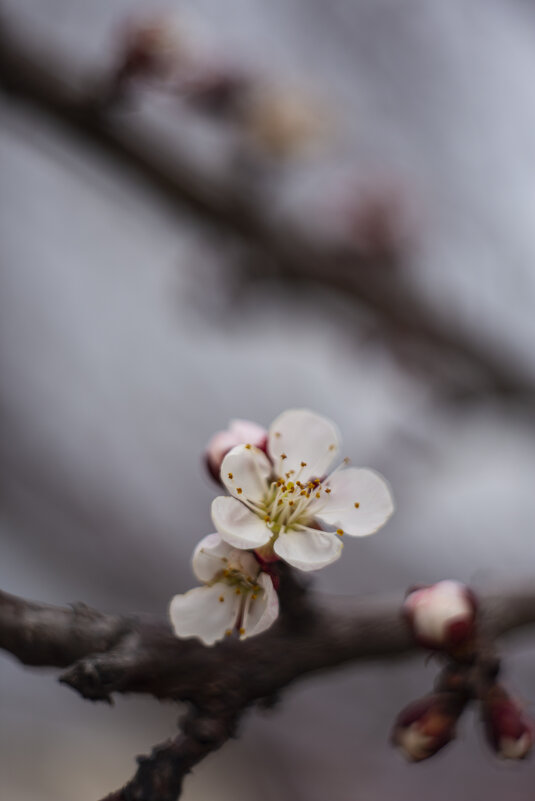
(281, 123)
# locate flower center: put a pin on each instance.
(235, 577)
(287, 503)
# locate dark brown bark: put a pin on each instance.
(106, 654)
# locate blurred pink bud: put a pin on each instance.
(151, 48)
(442, 616)
(378, 219)
(239, 432)
(427, 725)
(508, 729)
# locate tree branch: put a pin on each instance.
(160, 776)
(45, 79)
(107, 654)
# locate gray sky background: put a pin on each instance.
(122, 350)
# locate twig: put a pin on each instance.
(42, 77)
(160, 776)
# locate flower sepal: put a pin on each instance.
(507, 727)
(427, 725)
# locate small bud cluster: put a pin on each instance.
(443, 619)
(161, 51)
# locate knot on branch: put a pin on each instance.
(87, 679)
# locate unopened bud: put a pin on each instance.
(239, 432)
(427, 725)
(508, 730)
(442, 616)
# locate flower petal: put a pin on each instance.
(201, 612)
(247, 431)
(360, 501)
(245, 472)
(237, 524)
(308, 550)
(210, 557)
(302, 436)
(260, 612)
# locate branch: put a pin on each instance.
(45, 79)
(107, 654)
(160, 776)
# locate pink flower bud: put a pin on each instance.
(508, 730)
(239, 432)
(442, 616)
(427, 725)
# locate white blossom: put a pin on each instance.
(236, 595)
(288, 504)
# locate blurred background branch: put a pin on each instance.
(371, 274)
